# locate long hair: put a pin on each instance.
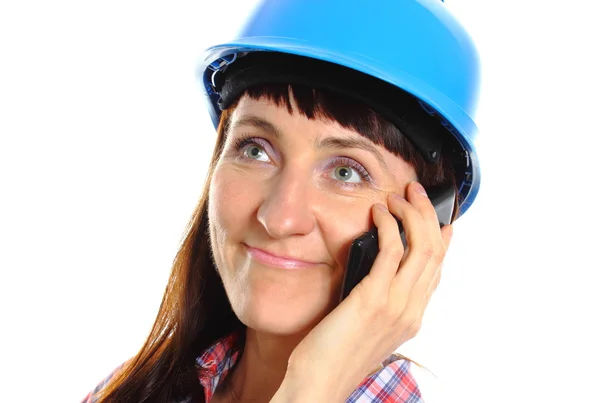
(195, 311)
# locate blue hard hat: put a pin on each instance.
(415, 45)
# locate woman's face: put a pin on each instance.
(287, 198)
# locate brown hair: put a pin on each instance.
(195, 311)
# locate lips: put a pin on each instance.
(278, 261)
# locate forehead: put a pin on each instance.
(267, 109)
(289, 120)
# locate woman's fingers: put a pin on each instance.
(402, 281)
(390, 248)
(421, 242)
(419, 273)
(446, 233)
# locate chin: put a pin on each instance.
(282, 313)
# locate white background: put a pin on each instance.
(104, 143)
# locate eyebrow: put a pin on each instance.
(259, 123)
(352, 142)
(322, 143)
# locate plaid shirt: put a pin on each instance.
(393, 383)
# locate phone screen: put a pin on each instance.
(363, 250)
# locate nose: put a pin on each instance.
(286, 209)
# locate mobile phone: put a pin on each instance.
(364, 249)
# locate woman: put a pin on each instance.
(323, 133)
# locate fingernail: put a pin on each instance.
(397, 196)
(419, 188)
(381, 207)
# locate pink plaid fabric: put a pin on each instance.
(391, 384)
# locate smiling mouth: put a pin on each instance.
(270, 259)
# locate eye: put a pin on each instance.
(348, 171)
(251, 148)
(256, 152)
(346, 174)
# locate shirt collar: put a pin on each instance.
(216, 362)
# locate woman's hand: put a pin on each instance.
(385, 309)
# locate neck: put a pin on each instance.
(262, 366)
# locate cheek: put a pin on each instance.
(227, 189)
(341, 224)
(226, 222)
(227, 217)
